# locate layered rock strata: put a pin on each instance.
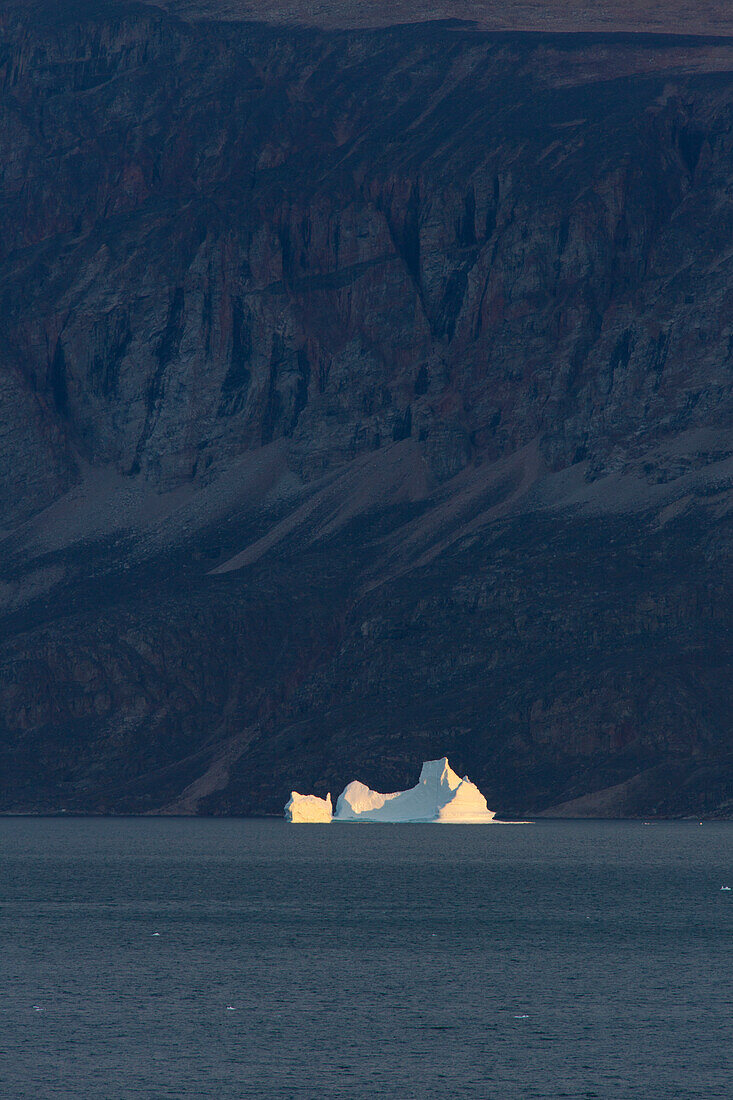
(364, 393)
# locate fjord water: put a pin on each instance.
(244, 958)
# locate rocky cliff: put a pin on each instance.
(366, 398)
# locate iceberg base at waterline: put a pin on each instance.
(440, 796)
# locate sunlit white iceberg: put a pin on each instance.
(308, 808)
(440, 796)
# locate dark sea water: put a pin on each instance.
(567, 959)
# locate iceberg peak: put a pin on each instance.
(440, 775)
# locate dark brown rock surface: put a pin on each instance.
(366, 396)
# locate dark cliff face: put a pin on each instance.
(366, 397)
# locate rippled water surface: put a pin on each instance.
(216, 959)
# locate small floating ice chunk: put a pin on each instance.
(308, 809)
(230, 1008)
(725, 887)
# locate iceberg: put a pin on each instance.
(440, 796)
(308, 809)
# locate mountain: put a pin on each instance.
(366, 398)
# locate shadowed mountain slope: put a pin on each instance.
(554, 16)
(366, 398)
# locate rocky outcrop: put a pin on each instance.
(362, 374)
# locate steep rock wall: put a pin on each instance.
(377, 322)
